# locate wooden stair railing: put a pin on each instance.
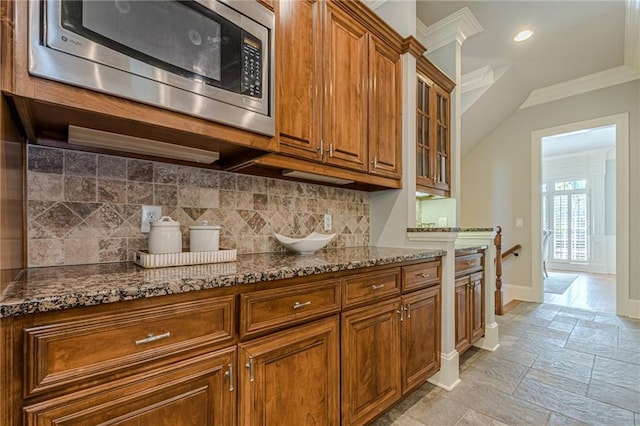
(515, 250)
(497, 241)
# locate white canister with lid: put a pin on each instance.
(204, 237)
(165, 236)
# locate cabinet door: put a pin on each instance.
(477, 303)
(371, 379)
(291, 377)
(440, 141)
(196, 391)
(420, 337)
(424, 118)
(346, 90)
(299, 77)
(463, 338)
(385, 110)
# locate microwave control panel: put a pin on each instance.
(251, 66)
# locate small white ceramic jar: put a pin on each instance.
(165, 236)
(204, 237)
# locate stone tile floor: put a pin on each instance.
(556, 365)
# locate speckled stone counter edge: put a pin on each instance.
(56, 288)
(449, 229)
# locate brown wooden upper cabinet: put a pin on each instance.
(339, 88)
(433, 132)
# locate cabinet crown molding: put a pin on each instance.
(374, 24)
(428, 69)
(413, 46)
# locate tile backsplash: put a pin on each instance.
(86, 208)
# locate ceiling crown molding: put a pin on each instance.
(374, 4)
(632, 34)
(578, 86)
(457, 27)
(477, 79)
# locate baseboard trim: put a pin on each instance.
(491, 339)
(629, 308)
(517, 292)
(449, 375)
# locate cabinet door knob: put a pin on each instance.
(153, 338)
(298, 305)
(401, 312)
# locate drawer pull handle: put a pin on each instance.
(249, 365)
(153, 338)
(298, 305)
(377, 286)
(229, 374)
(423, 275)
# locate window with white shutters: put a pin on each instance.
(568, 214)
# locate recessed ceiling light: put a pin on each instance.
(523, 35)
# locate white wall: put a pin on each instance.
(503, 159)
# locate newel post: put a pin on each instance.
(497, 241)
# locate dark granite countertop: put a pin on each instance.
(63, 287)
(449, 229)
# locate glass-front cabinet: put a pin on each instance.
(433, 116)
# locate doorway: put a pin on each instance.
(580, 247)
(578, 218)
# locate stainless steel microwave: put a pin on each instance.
(208, 58)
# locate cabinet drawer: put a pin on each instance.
(265, 310)
(101, 347)
(469, 263)
(371, 286)
(186, 392)
(420, 276)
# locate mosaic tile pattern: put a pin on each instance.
(85, 208)
(49, 289)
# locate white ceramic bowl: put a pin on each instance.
(307, 245)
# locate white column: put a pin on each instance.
(449, 375)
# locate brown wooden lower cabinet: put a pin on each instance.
(371, 379)
(476, 317)
(301, 355)
(469, 301)
(388, 350)
(420, 337)
(462, 307)
(195, 391)
(291, 377)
